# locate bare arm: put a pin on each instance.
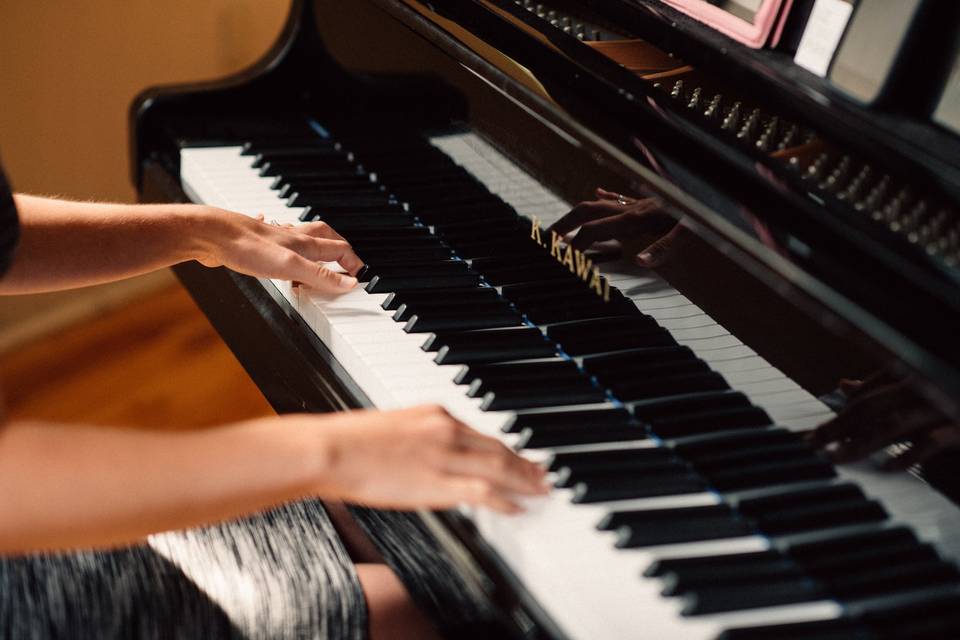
(67, 487)
(73, 244)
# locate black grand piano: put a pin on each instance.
(812, 238)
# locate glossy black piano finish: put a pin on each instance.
(574, 120)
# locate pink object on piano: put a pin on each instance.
(769, 19)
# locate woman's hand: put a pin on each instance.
(421, 458)
(255, 248)
(639, 226)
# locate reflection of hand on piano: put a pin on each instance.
(882, 411)
(253, 247)
(639, 227)
(422, 458)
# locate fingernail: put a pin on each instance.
(645, 257)
(348, 282)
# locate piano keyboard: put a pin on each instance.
(680, 511)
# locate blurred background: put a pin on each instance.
(138, 352)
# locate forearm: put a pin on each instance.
(67, 487)
(73, 244)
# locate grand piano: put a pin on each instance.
(815, 238)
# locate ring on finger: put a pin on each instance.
(622, 199)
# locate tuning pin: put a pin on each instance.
(856, 186)
(876, 195)
(712, 111)
(769, 132)
(790, 137)
(732, 120)
(816, 168)
(694, 102)
(677, 92)
(749, 126)
(838, 176)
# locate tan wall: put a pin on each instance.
(69, 70)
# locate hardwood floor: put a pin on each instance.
(155, 363)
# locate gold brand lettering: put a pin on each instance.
(568, 258)
(584, 265)
(555, 245)
(535, 231)
(596, 282)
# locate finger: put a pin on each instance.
(320, 230)
(603, 194)
(315, 275)
(660, 252)
(924, 448)
(504, 469)
(586, 212)
(600, 230)
(319, 249)
(482, 493)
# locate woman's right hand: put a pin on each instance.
(421, 458)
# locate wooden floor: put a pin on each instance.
(154, 363)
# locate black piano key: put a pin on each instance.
(560, 394)
(458, 295)
(659, 517)
(284, 185)
(629, 488)
(881, 578)
(930, 616)
(506, 344)
(301, 154)
(609, 325)
(697, 529)
(669, 368)
(606, 416)
(728, 459)
(493, 338)
(252, 148)
(831, 548)
(547, 369)
(821, 516)
(688, 403)
(722, 563)
(480, 304)
(837, 629)
(639, 469)
(636, 358)
(462, 319)
(633, 390)
(585, 434)
(769, 474)
(613, 460)
(688, 424)
(400, 256)
(604, 342)
(717, 443)
(549, 314)
(313, 166)
(327, 201)
(479, 387)
(395, 282)
(739, 597)
(346, 225)
(679, 582)
(770, 503)
(424, 269)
